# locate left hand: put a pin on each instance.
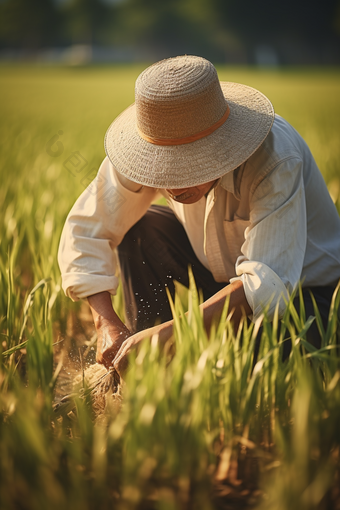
(120, 362)
(164, 332)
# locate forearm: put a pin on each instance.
(212, 311)
(111, 331)
(238, 305)
(103, 312)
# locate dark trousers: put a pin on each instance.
(156, 251)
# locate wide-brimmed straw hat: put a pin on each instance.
(186, 127)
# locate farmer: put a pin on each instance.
(248, 210)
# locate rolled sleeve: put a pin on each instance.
(275, 242)
(97, 223)
(263, 288)
(81, 285)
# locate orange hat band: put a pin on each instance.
(187, 139)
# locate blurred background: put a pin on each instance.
(262, 32)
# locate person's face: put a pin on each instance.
(190, 195)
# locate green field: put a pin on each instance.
(202, 432)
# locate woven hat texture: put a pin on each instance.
(180, 98)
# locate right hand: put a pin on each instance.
(110, 339)
(111, 331)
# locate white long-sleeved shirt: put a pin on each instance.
(270, 223)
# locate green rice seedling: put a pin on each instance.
(39, 337)
(308, 453)
(209, 415)
(170, 437)
(28, 304)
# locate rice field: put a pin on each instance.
(200, 431)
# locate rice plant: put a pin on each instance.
(200, 425)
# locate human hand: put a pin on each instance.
(120, 362)
(111, 331)
(110, 339)
(163, 332)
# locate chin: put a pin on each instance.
(189, 200)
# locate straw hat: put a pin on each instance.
(186, 128)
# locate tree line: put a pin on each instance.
(208, 27)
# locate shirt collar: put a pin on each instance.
(227, 182)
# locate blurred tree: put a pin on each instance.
(85, 21)
(266, 22)
(28, 24)
(169, 26)
(216, 29)
(336, 23)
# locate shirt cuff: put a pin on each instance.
(80, 285)
(263, 288)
